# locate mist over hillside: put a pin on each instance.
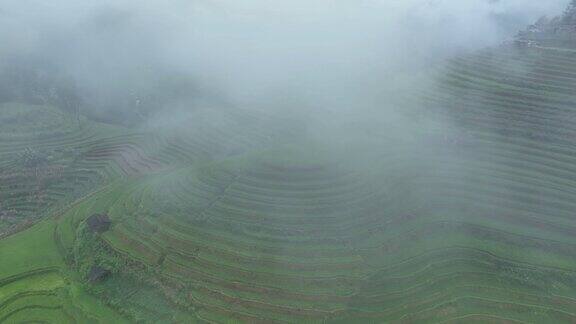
(303, 161)
(123, 60)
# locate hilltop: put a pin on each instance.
(224, 216)
(556, 31)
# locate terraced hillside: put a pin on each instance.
(49, 159)
(227, 220)
(503, 203)
(53, 164)
(250, 239)
(41, 161)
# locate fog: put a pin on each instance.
(285, 161)
(336, 56)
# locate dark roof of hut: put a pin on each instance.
(98, 273)
(99, 223)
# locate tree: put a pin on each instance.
(570, 14)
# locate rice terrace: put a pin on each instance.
(274, 170)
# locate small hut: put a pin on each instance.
(98, 273)
(99, 223)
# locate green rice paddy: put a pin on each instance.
(227, 222)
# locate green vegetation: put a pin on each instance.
(220, 222)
